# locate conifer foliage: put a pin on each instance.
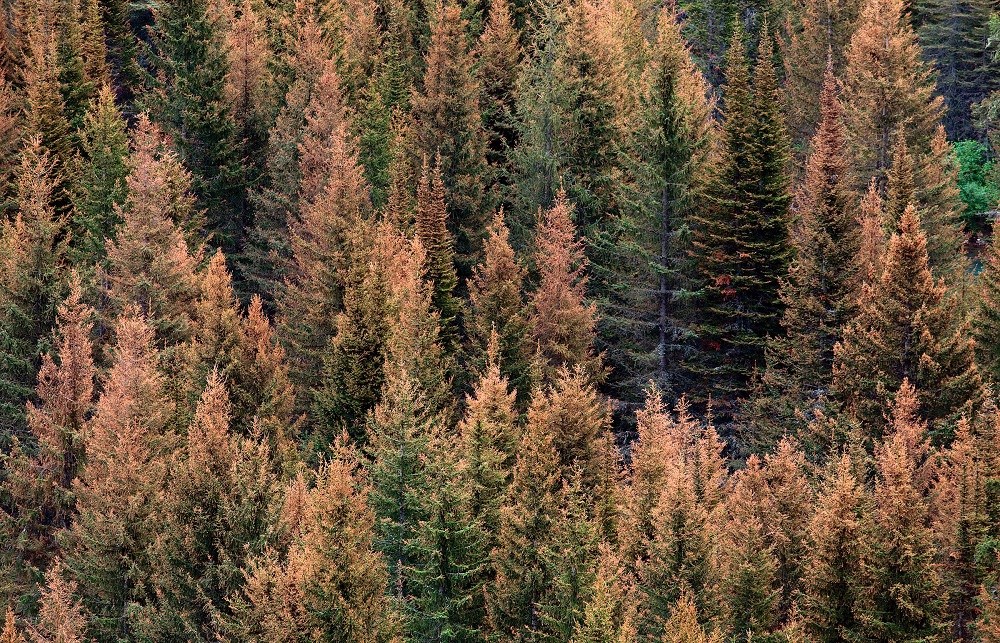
(561, 321)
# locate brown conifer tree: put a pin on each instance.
(431, 227)
(832, 573)
(149, 261)
(888, 88)
(561, 323)
(332, 578)
(906, 329)
(334, 202)
(499, 55)
(41, 471)
(817, 294)
(61, 617)
(818, 34)
(118, 487)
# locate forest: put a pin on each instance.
(447, 321)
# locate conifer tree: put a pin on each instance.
(323, 238)
(887, 88)
(249, 86)
(10, 633)
(747, 561)
(61, 617)
(32, 247)
(540, 156)
(149, 261)
(10, 132)
(955, 35)
(101, 184)
(439, 248)
(41, 470)
(499, 55)
(642, 260)
(591, 129)
(561, 323)
(832, 578)
(986, 322)
(906, 328)
(353, 372)
(741, 243)
(818, 34)
(333, 579)
(117, 489)
(496, 305)
(489, 432)
(817, 293)
(448, 125)
(187, 100)
(522, 577)
(902, 595)
(684, 625)
(607, 618)
(314, 88)
(217, 511)
(45, 112)
(412, 410)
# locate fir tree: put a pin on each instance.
(101, 184)
(986, 322)
(818, 34)
(902, 594)
(817, 293)
(496, 305)
(447, 125)
(887, 88)
(41, 470)
(499, 55)
(217, 511)
(116, 491)
(439, 270)
(333, 579)
(323, 238)
(642, 261)
(33, 248)
(741, 240)
(906, 329)
(561, 323)
(489, 432)
(832, 573)
(149, 261)
(186, 98)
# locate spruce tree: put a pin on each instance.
(818, 34)
(448, 125)
(101, 184)
(499, 55)
(439, 248)
(817, 292)
(887, 87)
(832, 579)
(986, 322)
(149, 262)
(741, 238)
(38, 494)
(561, 323)
(906, 328)
(217, 511)
(332, 580)
(496, 305)
(33, 249)
(642, 263)
(902, 595)
(186, 98)
(117, 489)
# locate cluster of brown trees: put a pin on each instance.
(549, 320)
